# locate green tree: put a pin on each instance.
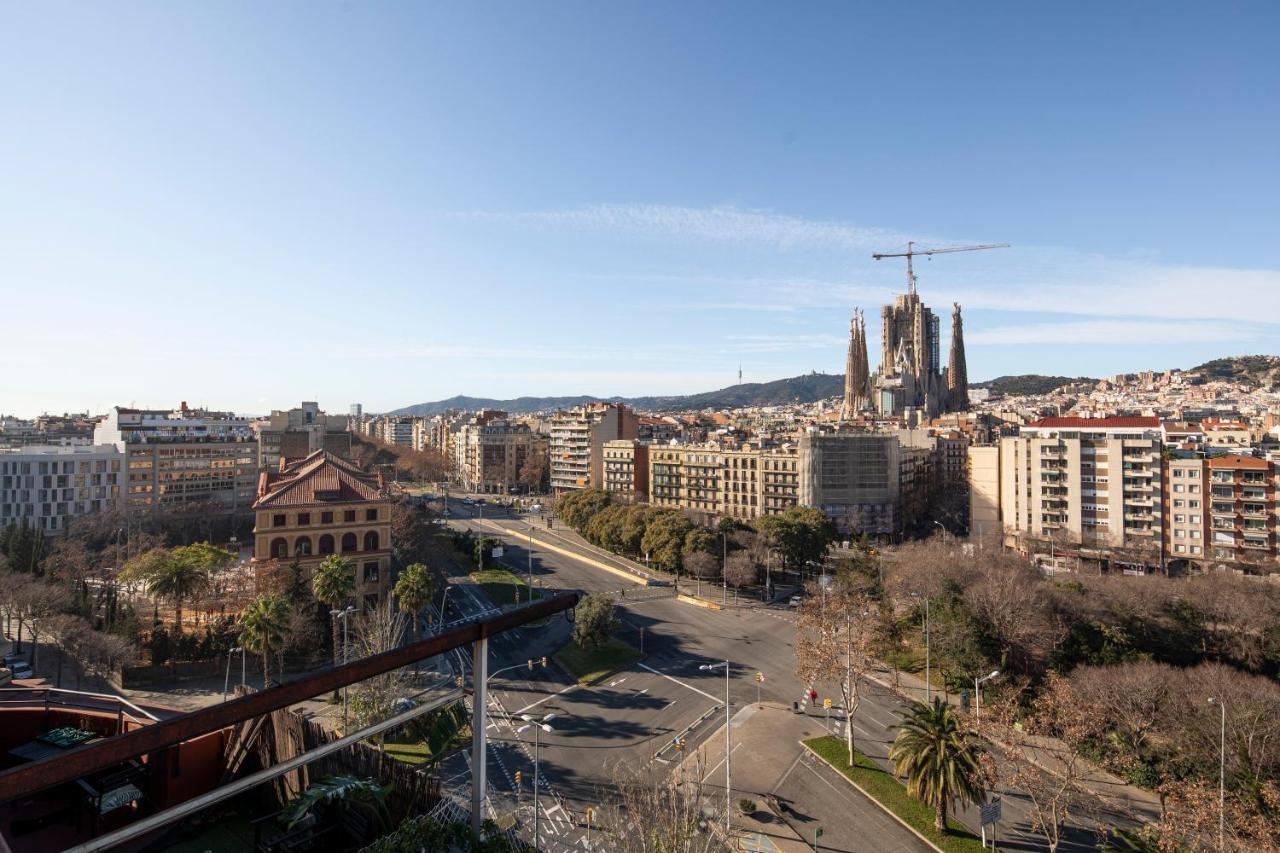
(414, 590)
(594, 621)
(263, 629)
(664, 537)
(938, 758)
(178, 574)
(333, 583)
(577, 508)
(800, 534)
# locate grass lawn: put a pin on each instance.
(408, 751)
(891, 794)
(589, 665)
(500, 586)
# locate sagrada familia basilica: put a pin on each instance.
(910, 375)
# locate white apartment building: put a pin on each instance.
(48, 487)
(577, 443)
(1088, 481)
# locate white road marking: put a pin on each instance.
(545, 698)
(678, 681)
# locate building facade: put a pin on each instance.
(47, 488)
(492, 451)
(756, 482)
(854, 477)
(322, 505)
(1242, 509)
(626, 469)
(184, 460)
(577, 443)
(295, 433)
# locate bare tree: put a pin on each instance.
(835, 634)
(1008, 595)
(651, 811)
(740, 570)
(374, 699)
(1192, 812)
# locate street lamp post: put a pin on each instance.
(529, 552)
(344, 616)
(1222, 773)
(728, 748)
(226, 681)
(724, 560)
(444, 600)
(977, 693)
(538, 726)
(928, 683)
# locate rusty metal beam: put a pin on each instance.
(111, 751)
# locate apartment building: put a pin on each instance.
(1186, 514)
(577, 443)
(48, 487)
(323, 505)
(759, 481)
(492, 450)
(626, 469)
(1096, 482)
(295, 433)
(984, 490)
(856, 479)
(396, 429)
(184, 459)
(1242, 509)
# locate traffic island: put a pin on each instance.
(591, 665)
(892, 796)
(501, 586)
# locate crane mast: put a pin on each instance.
(912, 251)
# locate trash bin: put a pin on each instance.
(964, 700)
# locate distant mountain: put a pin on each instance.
(1260, 370)
(1029, 383)
(797, 389)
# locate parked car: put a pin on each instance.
(21, 669)
(795, 601)
(10, 659)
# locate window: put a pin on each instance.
(349, 515)
(1179, 533)
(371, 540)
(326, 518)
(1179, 519)
(1178, 503)
(1193, 474)
(1193, 489)
(1177, 487)
(1194, 504)
(371, 601)
(371, 572)
(348, 542)
(370, 515)
(279, 549)
(302, 548)
(1195, 534)
(304, 518)
(326, 544)
(277, 520)
(1179, 549)
(1177, 472)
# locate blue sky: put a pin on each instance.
(246, 205)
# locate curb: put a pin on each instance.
(589, 560)
(864, 793)
(697, 602)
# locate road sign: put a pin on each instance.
(760, 677)
(991, 811)
(497, 551)
(827, 703)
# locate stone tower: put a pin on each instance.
(857, 377)
(957, 372)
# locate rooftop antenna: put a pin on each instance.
(739, 373)
(912, 251)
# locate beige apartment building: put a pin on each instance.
(492, 450)
(626, 469)
(577, 443)
(984, 490)
(756, 482)
(687, 477)
(1186, 513)
(1093, 482)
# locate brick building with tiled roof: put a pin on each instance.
(321, 505)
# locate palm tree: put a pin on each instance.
(333, 583)
(414, 589)
(263, 627)
(938, 759)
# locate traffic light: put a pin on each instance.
(531, 664)
(544, 661)
(518, 778)
(591, 813)
(826, 703)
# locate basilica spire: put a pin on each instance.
(957, 372)
(857, 379)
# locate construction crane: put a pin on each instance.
(911, 252)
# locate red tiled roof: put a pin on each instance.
(322, 477)
(1235, 460)
(1096, 423)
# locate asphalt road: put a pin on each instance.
(632, 718)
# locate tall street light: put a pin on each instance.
(529, 552)
(538, 724)
(728, 785)
(344, 616)
(1222, 773)
(977, 693)
(226, 681)
(928, 683)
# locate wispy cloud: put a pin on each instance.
(724, 224)
(1115, 333)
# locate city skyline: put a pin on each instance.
(572, 201)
